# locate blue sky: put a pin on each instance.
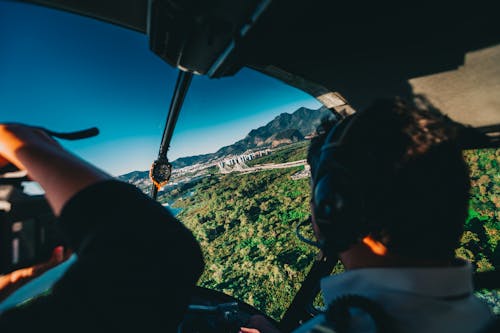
(68, 72)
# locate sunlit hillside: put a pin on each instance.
(245, 223)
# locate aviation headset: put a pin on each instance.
(337, 197)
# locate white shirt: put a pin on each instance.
(418, 299)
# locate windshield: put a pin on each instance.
(67, 72)
(240, 182)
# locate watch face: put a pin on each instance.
(161, 172)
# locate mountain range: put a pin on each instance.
(285, 128)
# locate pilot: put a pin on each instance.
(136, 265)
(390, 198)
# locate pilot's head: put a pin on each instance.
(394, 174)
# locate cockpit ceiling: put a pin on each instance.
(468, 92)
(361, 51)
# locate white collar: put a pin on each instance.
(436, 282)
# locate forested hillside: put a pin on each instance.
(482, 233)
(482, 230)
(246, 226)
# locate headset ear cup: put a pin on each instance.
(328, 202)
(337, 210)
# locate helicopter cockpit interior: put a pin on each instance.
(344, 55)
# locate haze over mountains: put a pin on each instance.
(285, 128)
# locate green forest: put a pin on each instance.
(479, 243)
(246, 226)
(482, 228)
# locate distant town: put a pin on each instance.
(224, 165)
(277, 138)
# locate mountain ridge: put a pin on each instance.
(284, 128)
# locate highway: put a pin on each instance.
(243, 168)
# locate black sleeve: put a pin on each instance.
(136, 268)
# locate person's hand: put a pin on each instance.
(16, 137)
(259, 324)
(60, 173)
(16, 279)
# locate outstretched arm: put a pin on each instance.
(137, 265)
(60, 173)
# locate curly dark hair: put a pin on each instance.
(415, 181)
